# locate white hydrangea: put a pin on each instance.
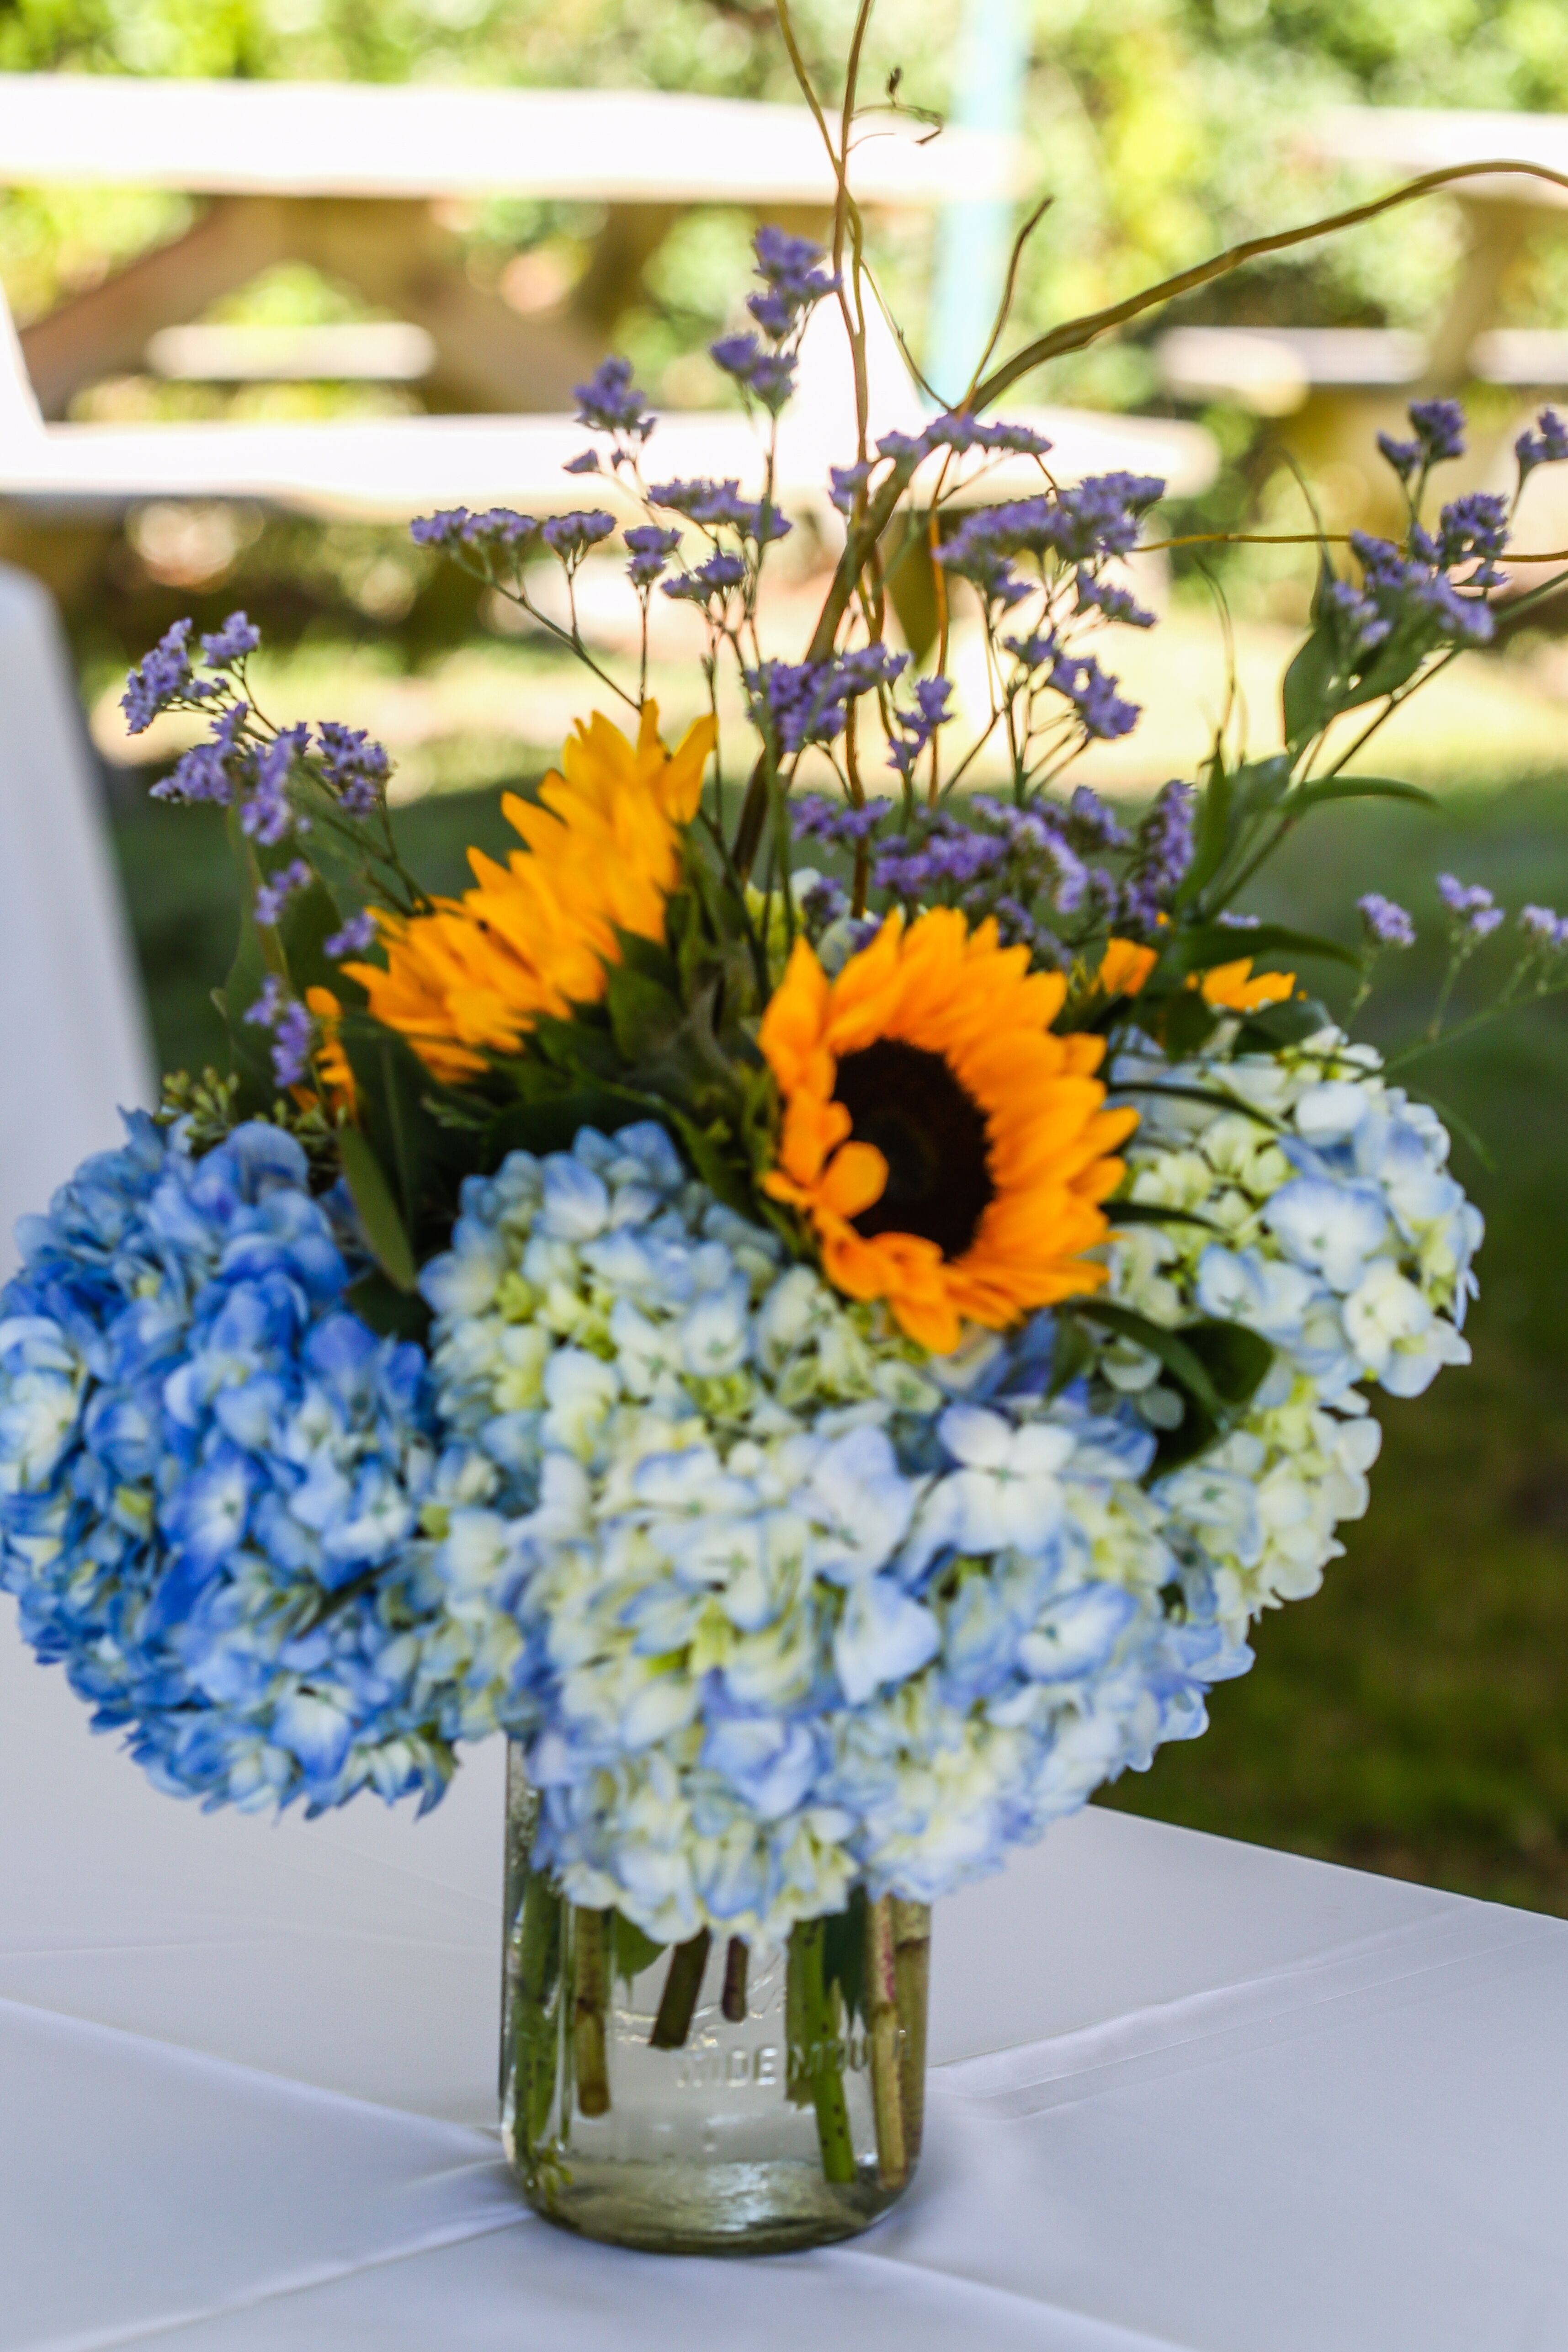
(777, 1610)
(1324, 1218)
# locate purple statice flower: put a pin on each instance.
(807, 702)
(1439, 427)
(1039, 647)
(1161, 852)
(895, 446)
(1475, 525)
(650, 548)
(1383, 923)
(1090, 823)
(1473, 912)
(225, 647)
(793, 281)
(814, 817)
(1107, 597)
(352, 766)
(585, 462)
(611, 403)
(161, 679)
(768, 376)
(206, 771)
(292, 1039)
(569, 536)
(847, 483)
(959, 431)
(1405, 457)
(718, 577)
(267, 815)
(263, 1011)
(1544, 929)
(273, 896)
(912, 730)
(1101, 516)
(445, 527)
(718, 505)
(1547, 446)
(1103, 712)
(1467, 618)
(293, 1031)
(1359, 626)
(358, 933)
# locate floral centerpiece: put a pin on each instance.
(822, 1303)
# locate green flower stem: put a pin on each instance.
(735, 1960)
(797, 2073)
(912, 1979)
(885, 2049)
(688, 1962)
(538, 1971)
(822, 2056)
(591, 1978)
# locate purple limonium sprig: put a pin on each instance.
(1385, 924)
(358, 933)
(794, 282)
(610, 402)
(718, 505)
(498, 531)
(1544, 931)
(797, 703)
(650, 549)
(293, 1031)
(223, 648)
(1161, 852)
(709, 582)
(272, 896)
(210, 771)
(1473, 912)
(568, 537)
(162, 679)
(912, 730)
(1103, 712)
(1546, 445)
(838, 824)
(267, 815)
(353, 767)
(768, 376)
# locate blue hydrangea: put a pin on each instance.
(215, 1480)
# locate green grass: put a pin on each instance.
(1414, 1717)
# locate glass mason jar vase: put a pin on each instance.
(707, 2097)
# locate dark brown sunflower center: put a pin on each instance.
(932, 1134)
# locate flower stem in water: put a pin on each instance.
(591, 1984)
(886, 2047)
(822, 2057)
(735, 1966)
(682, 1985)
(911, 1980)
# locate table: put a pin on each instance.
(1189, 2094)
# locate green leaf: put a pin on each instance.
(631, 1949)
(1150, 1213)
(647, 1016)
(395, 1313)
(1205, 945)
(552, 1122)
(309, 918)
(1273, 1025)
(1359, 788)
(843, 1954)
(1175, 1350)
(1074, 1353)
(1313, 689)
(392, 1084)
(384, 1227)
(1235, 1359)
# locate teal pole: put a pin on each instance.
(975, 235)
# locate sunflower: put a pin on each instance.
(1230, 988)
(473, 976)
(950, 1151)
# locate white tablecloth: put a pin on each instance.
(1188, 2095)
